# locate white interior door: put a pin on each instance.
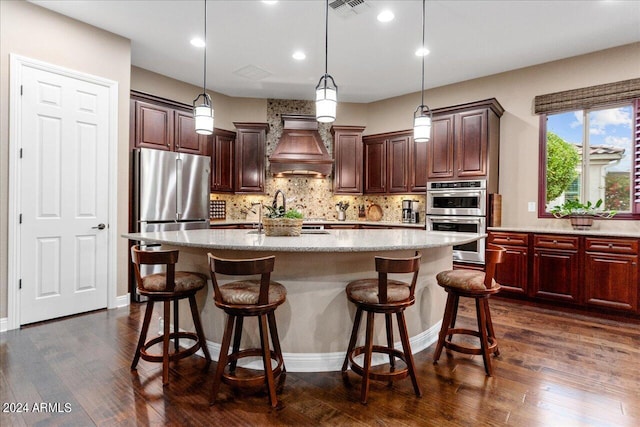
(64, 197)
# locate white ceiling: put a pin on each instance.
(369, 60)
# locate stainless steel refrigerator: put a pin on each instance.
(170, 192)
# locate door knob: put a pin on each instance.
(100, 227)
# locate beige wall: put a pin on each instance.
(37, 33)
(515, 90)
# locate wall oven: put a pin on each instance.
(459, 207)
(472, 252)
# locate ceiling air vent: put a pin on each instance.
(348, 8)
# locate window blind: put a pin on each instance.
(580, 99)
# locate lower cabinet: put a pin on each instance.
(581, 271)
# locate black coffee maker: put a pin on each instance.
(406, 210)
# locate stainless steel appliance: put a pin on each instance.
(170, 192)
(415, 212)
(460, 207)
(406, 210)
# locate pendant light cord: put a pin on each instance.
(423, 52)
(204, 87)
(326, 37)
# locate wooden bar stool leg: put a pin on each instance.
(176, 324)
(275, 340)
(454, 314)
(237, 336)
(222, 360)
(364, 392)
(143, 333)
(266, 360)
(484, 342)
(352, 340)
(165, 342)
(198, 326)
(389, 325)
(408, 355)
(444, 329)
(492, 333)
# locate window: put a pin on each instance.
(590, 147)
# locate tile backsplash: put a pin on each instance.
(312, 196)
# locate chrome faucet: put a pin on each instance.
(259, 204)
(275, 200)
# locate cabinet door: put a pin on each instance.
(347, 150)
(375, 166)
(471, 144)
(418, 170)
(222, 163)
(555, 274)
(440, 148)
(398, 164)
(186, 140)
(511, 274)
(611, 280)
(153, 126)
(249, 158)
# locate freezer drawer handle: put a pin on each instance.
(100, 227)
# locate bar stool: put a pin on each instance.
(479, 286)
(248, 298)
(166, 287)
(386, 296)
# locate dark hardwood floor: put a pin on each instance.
(555, 369)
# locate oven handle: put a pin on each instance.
(457, 221)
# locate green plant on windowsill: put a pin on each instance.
(580, 214)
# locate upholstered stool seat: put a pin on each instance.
(240, 299)
(167, 287)
(479, 286)
(386, 296)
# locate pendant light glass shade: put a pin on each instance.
(327, 90)
(422, 124)
(422, 116)
(326, 99)
(203, 113)
(202, 106)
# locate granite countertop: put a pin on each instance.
(330, 241)
(548, 230)
(320, 221)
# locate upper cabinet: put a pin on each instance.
(465, 141)
(394, 164)
(164, 125)
(222, 161)
(347, 151)
(250, 157)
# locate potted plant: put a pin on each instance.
(278, 222)
(580, 214)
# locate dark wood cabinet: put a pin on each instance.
(347, 152)
(513, 272)
(165, 125)
(465, 141)
(556, 268)
(250, 157)
(394, 164)
(222, 161)
(375, 165)
(611, 273)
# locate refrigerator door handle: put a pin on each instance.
(179, 188)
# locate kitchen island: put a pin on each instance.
(315, 322)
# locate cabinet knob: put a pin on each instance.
(508, 238)
(555, 242)
(610, 245)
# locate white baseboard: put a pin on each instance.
(4, 324)
(123, 300)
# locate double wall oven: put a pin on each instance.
(459, 207)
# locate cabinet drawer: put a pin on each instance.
(618, 246)
(511, 239)
(555, 242)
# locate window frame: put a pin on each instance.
(635, 135)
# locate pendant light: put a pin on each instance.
(202, 107)
(422, 116)
(327, 90)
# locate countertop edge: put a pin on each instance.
(543, 230)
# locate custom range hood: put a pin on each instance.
(300, 150)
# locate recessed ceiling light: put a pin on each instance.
(299, 55)
(385, 16)
(423, 51)
(197, 42)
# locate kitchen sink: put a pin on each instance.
(310, 231)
